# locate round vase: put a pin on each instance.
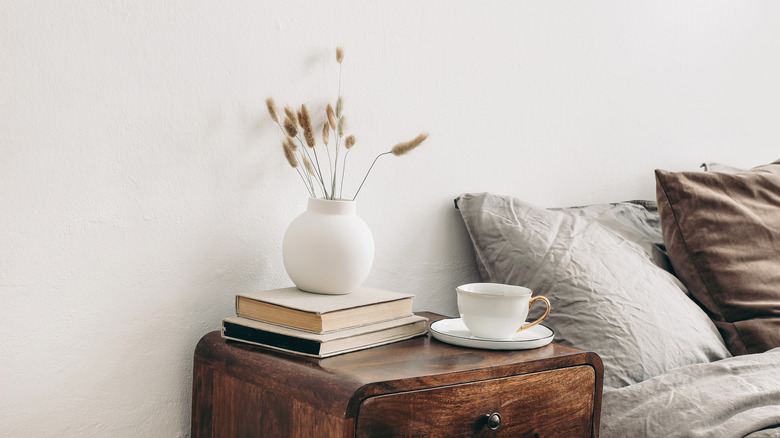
(328, 249)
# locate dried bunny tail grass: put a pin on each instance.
(289, 142)
(305, 120)
(397, 150)
(308, 166)
(326, 133)
(339, 54)
(331, 117)
(339, 107)
(290, 127)
(289, 153)
(272, 109)
(402, 148)
(349, 142)
(342, 126)
(309, 134)
(291, 114)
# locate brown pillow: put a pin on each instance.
(722, 232)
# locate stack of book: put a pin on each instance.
(323, 325)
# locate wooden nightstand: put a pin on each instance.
(418, 387)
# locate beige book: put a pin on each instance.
(319, 313)
(322, 345)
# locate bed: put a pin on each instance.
(679, 296)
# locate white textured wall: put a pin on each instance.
(142, 183)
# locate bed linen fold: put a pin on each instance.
(733, 397)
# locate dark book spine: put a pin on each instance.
(272, 339)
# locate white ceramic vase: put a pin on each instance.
(328, 249)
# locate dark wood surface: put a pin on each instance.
(240, 389)
(527, 404)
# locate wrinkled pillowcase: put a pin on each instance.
(722, 232)
(635, 221)
(607, 295)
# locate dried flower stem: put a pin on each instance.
(340, 128)
(310, 170)
(305, 172)
(343, 172)
(339, 59)
(336, 163)
(349, 143)
(397, 150)
(289, 153)
(338, 125)
(319, 171)
(289, 139)
(326, 140)
(308, 187)
(315, 171)
(308, 133)
(290, 131)
(369, 171)
(298, 126)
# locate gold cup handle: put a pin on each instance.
(531, 303)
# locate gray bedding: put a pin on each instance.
(667, 372)
(733, 397)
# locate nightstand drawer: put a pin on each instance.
(559, 402)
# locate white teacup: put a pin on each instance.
(496, 311)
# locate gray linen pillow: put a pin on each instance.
(607, 295)
(636, 221)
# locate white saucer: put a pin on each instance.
(453, 331)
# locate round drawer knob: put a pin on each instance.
(493, 420)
